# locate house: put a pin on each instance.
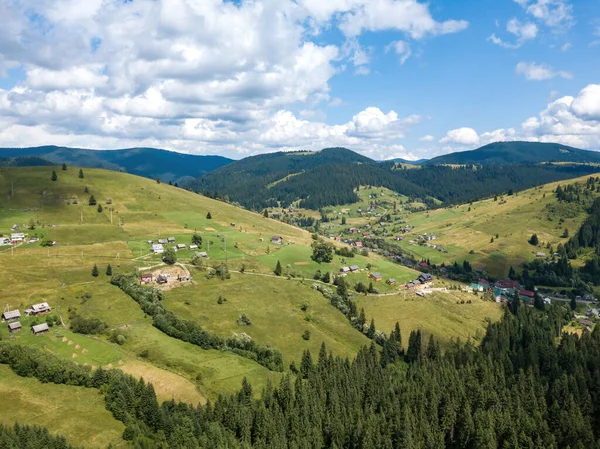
(11, 315)
(354, 268)
(146, 278)
(547, 301)
(193, 247)
(354, 230)
(410, 285)
(38, 309)
(150, 242)
(277, 240)
(358, 244)
(157, 248)
(477, 287)
(162, 241)
(337, 239)
(34, 240)
(202, 254)
(180, 246)
(171, 240)
(14, 327)
(162, 279)
(344, 269)
(507, 283)
(540, 255)
(40, 329)
(108, 200)
(4, 241)
(376, 276)
(526, 295)
(391, 281)
(17, 237)
(425, 278)
(15, 227)
(424, 265)
(366, 234)
(592, 313)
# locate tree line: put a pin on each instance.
(150, 300)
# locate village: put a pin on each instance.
(13, 318)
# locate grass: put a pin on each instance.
(75, 412)
(436, 314)
(274, 306)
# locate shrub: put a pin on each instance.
(244, 320)
(306, 335)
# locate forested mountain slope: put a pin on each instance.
(504, 153)
(147, 162)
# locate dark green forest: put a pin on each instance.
(526, 385)
(330, 177)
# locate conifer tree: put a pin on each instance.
(371, 330)
(80, 173)
(108, 270)
(100, 208)
(278, 269)
(64, 167)
(306, 365)
(208, 216)
(54, 176)
(95, 272)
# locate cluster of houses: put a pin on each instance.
(147, 279)
(423, 280)
(505, 289)
(159, 246)
(13, 317)
(350, 269)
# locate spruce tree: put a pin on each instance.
(108, 270)
(306, 365)
(54, 176)
(64, 167)
(80, 173)
(371, 330)
(278, 269)
(208, 216)
(100, 208)
(414, 351)
(92, 201)
(95, 272)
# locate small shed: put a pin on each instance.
(391, 281)
(146, 278)
(277, 240)
(376, 276)
(202, 254)
(193, 247)
(354, 268)
(181, 246)
(11, 315)
(344, 269)
(162, 279)
(40, 329)
(171, 240)
(162, 241)
(14, 327)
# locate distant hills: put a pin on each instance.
(406, 161)
(147, 162)
(330, 177)
(504, 153)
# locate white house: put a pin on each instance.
(38, 309)
(4, 241)
(17, 237)
(192, 247)
(157, 248)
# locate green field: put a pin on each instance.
(77, 413)
(145, 210)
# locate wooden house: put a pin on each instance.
(40, 329)
(14, 327)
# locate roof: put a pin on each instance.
(410, 284)
(202, 254)
(526, 293)
(15, 325)
(345, 269)
(376, 275)
(193, 246)
(276, 237)
(180, 246)
(508, 283)
(354, 267)
(171, 239)
(41, 306)
(146, 276)
(11, 315)
(391, 280)
(40, 328)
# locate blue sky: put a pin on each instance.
(388, 78)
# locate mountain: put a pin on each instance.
(331, 176)
(147, 162)
(406, 161)
(24, 161)
(504, 153)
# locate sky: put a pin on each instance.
(387, 78)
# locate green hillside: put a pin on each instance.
(504, 153)
(148, 162)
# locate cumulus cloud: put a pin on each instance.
(539, 72)
(427, 138)
(198, 76)
(461, 136)
(522, 32)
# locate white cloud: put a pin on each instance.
(427, 138)
(461, 136)
(556, 14)
(565, 47)
(522, 31)
(539, 72)
(402, 49)
(198, 76)
(587, 104)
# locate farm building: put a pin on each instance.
(202, 254)
(376, 276)
(391, 281)
(426, 278)
(171, 240)
(193, 247)
(344, 269)
(354, 268)
(410, 285)
(162, 279)
(540, 255)
(146, 278)
(180, 246)
(4, 241)
(358, 244)
(11, 315)
(38, 309)
(14, 327)
(40, 329)
(277, 240)
(162, 241)
(157, 248)
(17, 237)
